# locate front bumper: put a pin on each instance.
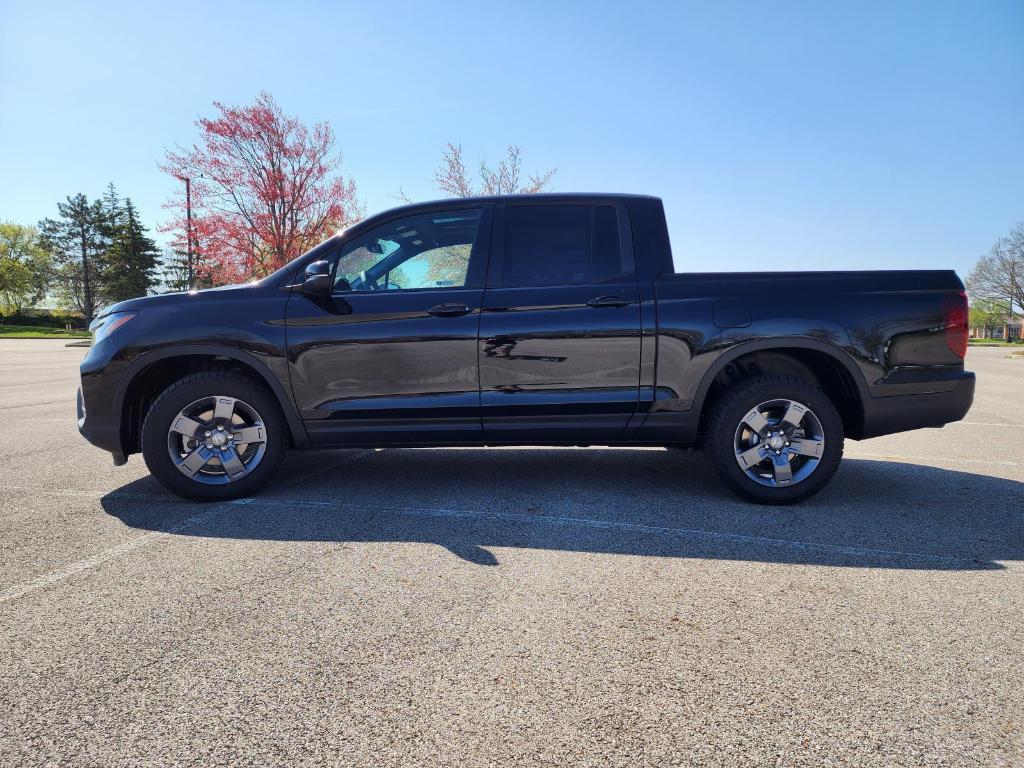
(103, 435)
(899, 413)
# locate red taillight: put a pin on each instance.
(956, 325)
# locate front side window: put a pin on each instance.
(562, 245)
(430, 250)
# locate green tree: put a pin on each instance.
(132, 256)
(986, 312)
(989, 313)
(26, 268)
(76, 240)
(111, 220)
(15, 283)
(174, 272)
(112, 207)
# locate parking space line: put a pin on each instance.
(587, 522)
(93, 561)
(984, 424)
(33, 405)
(592, 523)
(900, 457)
(88, 494)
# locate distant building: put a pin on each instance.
(1011, 331)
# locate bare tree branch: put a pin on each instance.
(999, 274)
(453, 179)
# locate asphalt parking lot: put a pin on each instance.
(511, 607)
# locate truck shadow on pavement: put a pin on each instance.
(613, 501)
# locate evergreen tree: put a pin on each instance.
(132, 256)
(174, 270)
(109, 226)
(76, 240)
(112, 212)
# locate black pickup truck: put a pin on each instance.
(524, 320)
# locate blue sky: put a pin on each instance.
(780, 135)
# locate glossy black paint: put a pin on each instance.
(559, 361)
(379, 368)
(554, 365)
(244, 324)
(630, 362)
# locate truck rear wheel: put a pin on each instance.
(774, 439)
(214, 436)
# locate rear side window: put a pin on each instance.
(562, 245)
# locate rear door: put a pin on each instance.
(391, 356)
(560, 331)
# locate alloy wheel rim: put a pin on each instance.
(779, 443)
(217, 440)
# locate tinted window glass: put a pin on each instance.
(562, 245)
(425, 251)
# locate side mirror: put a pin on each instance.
(317, 282)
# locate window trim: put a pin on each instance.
(497, 250)
(478, 257)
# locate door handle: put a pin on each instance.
(609, 301)
(449, 310)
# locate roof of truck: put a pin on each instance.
(465, 202)
(539, 197)
(553, 197)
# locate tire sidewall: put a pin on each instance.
(188, 390)
(730, 411)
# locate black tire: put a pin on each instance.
(728, 413)
(179, 395)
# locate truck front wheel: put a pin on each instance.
(774, 439)
(214, 436)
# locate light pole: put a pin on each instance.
(189, 269)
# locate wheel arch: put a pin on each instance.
(152, 372)
(825, 365)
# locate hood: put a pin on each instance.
(181, 297)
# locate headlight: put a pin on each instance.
(106, 325)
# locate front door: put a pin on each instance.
(391, 356)
(560, 330)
